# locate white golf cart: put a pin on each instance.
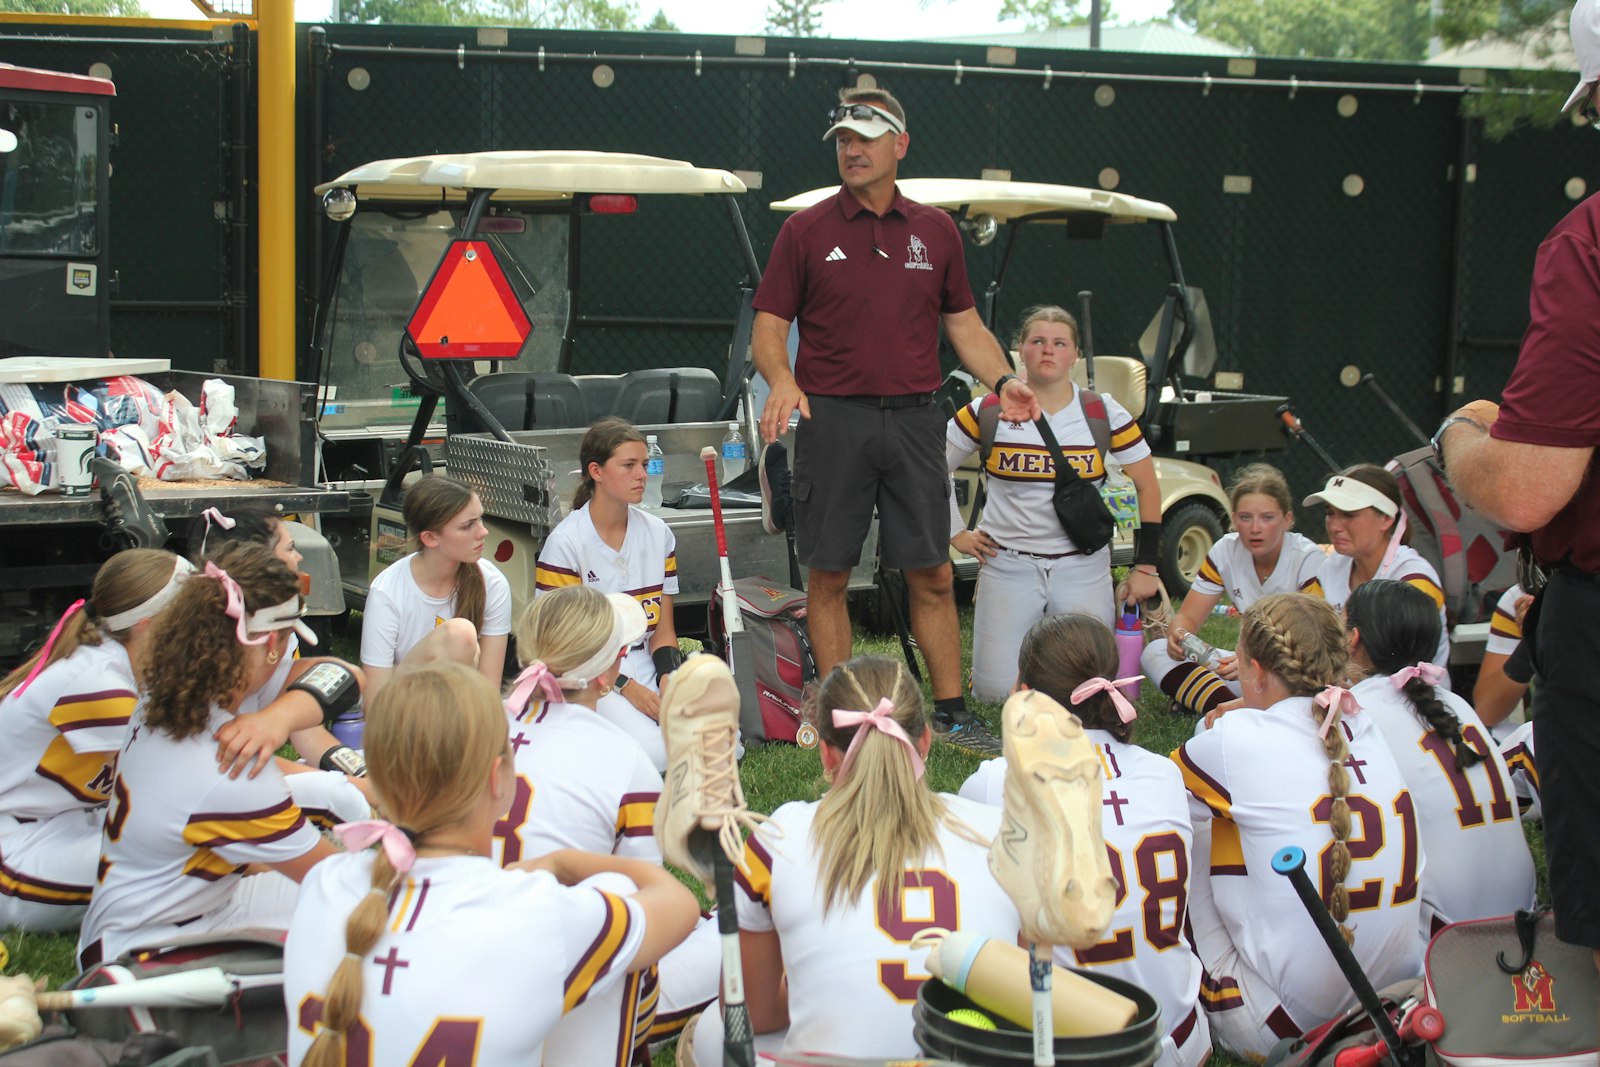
(458, 280)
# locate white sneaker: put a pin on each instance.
(1050, 855)
(702, 802)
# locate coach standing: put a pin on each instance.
(1529, 464)
(871, 276)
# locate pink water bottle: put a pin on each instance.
(1130, 642)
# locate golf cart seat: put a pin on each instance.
(1124, 379)
(666, 395)
(521, 400)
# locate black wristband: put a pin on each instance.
(621, 683)
(344, 759)
(1147, 544)
(667, 659)
(332, 686)
(1000, 383)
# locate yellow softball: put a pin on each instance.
(5, 956)
(971, 1017)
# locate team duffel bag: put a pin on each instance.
(774, 616)
(244, 1022)
(1513, 994)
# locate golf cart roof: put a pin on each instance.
(1007, 200)
(525, 176)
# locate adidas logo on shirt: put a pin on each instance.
(835, 255)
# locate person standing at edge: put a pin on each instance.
(1529, 464)
(871, 276)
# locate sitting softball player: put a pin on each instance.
(1367, 526)
(424, 950)
(1478, 862)
(614, 547)
(1071, 659)
(293, 705)
(583, 783)
(443, 601)
(826, 917)
(179, 831)
(1263, 555)
(1298, 764)
(62, 721)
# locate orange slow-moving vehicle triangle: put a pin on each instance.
(468, 310)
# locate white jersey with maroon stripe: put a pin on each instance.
(581, 783)
(1517, 751)
(1021, 473)
(399, 614)
(1333, 583)
(852, 973)
(475, 964)
(62, 734)
(1229, 568)
(179, 833)
(646, 569)
(1478, 862)
(1258, 780)
(1505, 632)
(1148, 834)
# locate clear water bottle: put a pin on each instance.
(735, 457)
(1120, 495)
(1195, 650)
(655, 467)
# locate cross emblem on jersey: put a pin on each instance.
(1355, 766)
(517, 742)
(1116, 804)
(389, 963)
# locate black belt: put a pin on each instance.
(1569, 571)
(1037, 555)
(902, 400)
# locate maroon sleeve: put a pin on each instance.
(1553, 397)
(957, 292)
(783, 282)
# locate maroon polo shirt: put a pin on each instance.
(1553, 397)
(868, 292)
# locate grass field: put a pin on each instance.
(772, 776)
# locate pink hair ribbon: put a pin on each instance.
(357, 836)
(235, 606)
(50, 642)
(1336, 699)
(879, 718)
(535, 676)
(212, 515)
(1394, 546)
(1431, 673)
(1125, 709)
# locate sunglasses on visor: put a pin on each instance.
(864, 113)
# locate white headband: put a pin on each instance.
(285, 616)
(122, 620)
(628, 624)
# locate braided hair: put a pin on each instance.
(1398, 626)
(1300, 640)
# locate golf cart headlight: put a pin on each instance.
(8, 141)
(981, 228)
(339, 204)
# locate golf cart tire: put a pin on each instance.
(1187, 534)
